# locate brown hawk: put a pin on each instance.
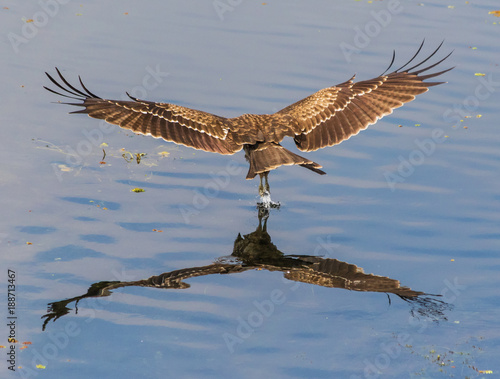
(325, 118)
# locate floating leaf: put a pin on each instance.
(495, 13)
(40, 366)
(138, 190)
(479, 74)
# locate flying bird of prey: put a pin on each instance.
(325, 118)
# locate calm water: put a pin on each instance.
(357, 302)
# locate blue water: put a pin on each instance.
(71, 222)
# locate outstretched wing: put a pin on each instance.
(334, 114)
(185, 126)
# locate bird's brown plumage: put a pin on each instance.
(322, 119)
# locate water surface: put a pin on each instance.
(74, 230)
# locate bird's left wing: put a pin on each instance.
(182, 125)
(334, 114)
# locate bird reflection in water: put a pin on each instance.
(255, 251)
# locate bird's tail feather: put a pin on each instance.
(268, 156)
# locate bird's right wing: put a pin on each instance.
(182, 125)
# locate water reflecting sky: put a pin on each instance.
(435, 230)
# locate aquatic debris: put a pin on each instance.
(104, 156)
(129, 157)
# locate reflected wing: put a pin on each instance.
(334, 114)
(185, 126)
